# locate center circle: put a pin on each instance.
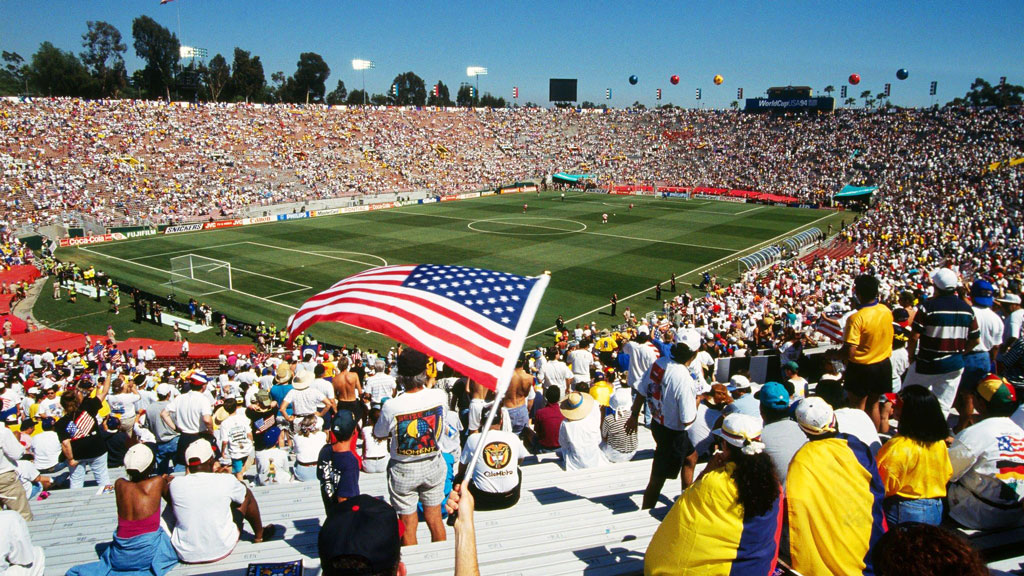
(522, 226)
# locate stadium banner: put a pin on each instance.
(487, 193)
(468, 195)
(222, 224)
(183, 228)
(324, 212)
(257, 220)
(764, 104)
(126, 229)
(137, 233)
(293, 216)
(430, 200)
(84, 240)
(720, 198)
(529, 188)
(352, 209)
(675, 195)
(449, 198)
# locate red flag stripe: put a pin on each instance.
(485, 375)
(490, 353)
(376, 319)
(400, 298)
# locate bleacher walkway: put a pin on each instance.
(586, 521)
(581, 522)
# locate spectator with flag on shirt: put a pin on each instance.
(79, 433)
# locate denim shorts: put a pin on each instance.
(923, 511)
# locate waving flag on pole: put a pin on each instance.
(472, 319)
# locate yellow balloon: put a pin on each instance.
(719, 79)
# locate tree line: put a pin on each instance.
(99, 71)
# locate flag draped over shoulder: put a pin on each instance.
(831, 328)
(472, 319)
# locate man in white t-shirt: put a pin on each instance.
(204, 527)
(579, 435)
(414, 421)
(235, 434)
(1013, 318)
(380, 385)
(191, 414)
(18, 557)
(555, 373)
(670, 390)
(582, 361)
(497, 478)
(122, 400)
(642, 354)
(986, 492)
(46, 449)
(303, 398)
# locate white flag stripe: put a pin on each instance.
(394, 274)
(480, 338)
(441, 347)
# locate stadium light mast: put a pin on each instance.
(476, 71)
(363, 66)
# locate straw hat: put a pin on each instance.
(577, 406)
(302, 380)
(284, 373)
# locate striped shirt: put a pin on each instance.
(944, 324)
(614, 430)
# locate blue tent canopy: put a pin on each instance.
(856, 191)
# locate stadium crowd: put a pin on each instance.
(915, 422)
(134, 161)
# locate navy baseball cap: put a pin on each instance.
(362, 527)
(982, 293)
(343, 425)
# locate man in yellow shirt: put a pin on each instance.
(868, 346)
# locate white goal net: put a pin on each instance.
(199, 275)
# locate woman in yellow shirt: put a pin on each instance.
(915, 465)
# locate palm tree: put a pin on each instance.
(734, 105)
(866, 95)
(851, 101)
(881, 98)
(829, 89)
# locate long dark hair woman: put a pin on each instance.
(737, 499)
(915, 465)
(139, 542)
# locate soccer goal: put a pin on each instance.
(192, 273)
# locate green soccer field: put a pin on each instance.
(275, 267)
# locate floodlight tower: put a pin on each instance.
(363, 66)
(476, 71)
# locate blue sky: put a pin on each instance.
(753, 44)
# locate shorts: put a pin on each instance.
(237, 464)
(671, 447)
(519, 417)
(868, 379)
(977, 365)
(421, 481)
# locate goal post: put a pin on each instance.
(193, 272)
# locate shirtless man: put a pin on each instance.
(478, 397)
(516, 398)
(348, 392)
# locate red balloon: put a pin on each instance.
(674, 79)
(854, 79)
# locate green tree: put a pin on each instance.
(866, 96)
(411, 90)
(829, 89)
(489, 101)
(338, 95)
(734, 105)
(159, 48)
(356, 98)
(55, 72)
(638, 105)
(380, 100)
(247, 79)
(311, 73)
(277, 90)
(465, 96)
(218, 75)
(13, 75)
(104, 58)
(851, 101)
(984, 94)
(443, 97)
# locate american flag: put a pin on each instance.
(830, 328)
(474, 320)
(81, 426)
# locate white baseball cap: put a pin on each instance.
(138, 458)
(199, 452)
(945, 279)
(815, 416)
